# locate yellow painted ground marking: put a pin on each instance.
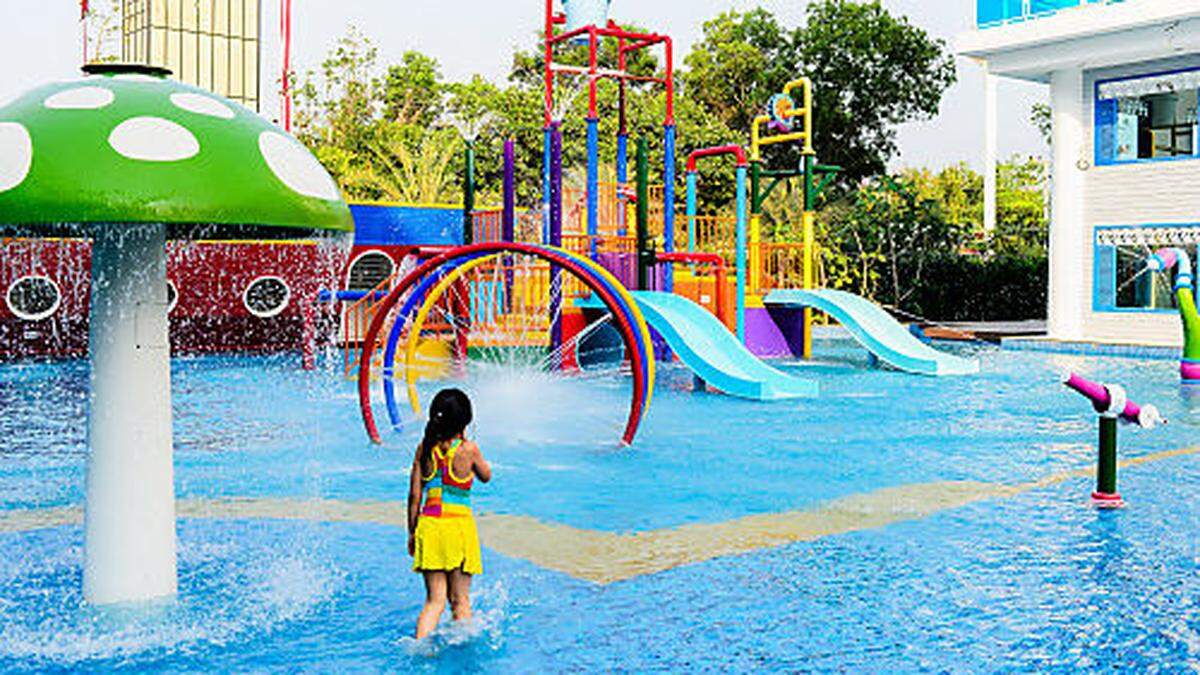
(605, 557)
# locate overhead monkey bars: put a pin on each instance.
(627, 42)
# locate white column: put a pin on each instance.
(1068, 231)
(990, 132)
(129, 523)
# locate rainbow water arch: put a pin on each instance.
(429, 279)
(1161, 261)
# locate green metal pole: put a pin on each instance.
(1106, 467)
(810, 196)
(644, 254)
(756, 199)
(469, 194)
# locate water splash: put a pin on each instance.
(484, 630)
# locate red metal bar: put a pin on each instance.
(642, 44)
(285, 21)
(549, 60)
(670, 83)
(735, 150)
(715, 260)
(562, 37)
(593, 63)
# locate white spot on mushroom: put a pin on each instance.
(202, 105)
(295, 166)
(80, 98)
(153, 139)
(16, 155)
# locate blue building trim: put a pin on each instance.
(1104, 117)
(403, 225)
(1104, 271)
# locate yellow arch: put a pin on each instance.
(639, 318)
(414, 331)
(435, 294)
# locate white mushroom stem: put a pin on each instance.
(130, 513)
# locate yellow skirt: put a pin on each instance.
(445, 544)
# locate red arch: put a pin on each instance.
(615, 307)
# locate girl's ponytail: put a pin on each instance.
(433, 436)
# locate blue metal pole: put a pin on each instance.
(691, 210)
(741, 254)
(546, 185)
(669, 197)
(593, 184)
(622, 177)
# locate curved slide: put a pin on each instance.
(876, 330)
(714, 354)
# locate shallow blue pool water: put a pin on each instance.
(1039, 581)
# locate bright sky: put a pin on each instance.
(40, 41)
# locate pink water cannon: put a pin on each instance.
(1112, 404)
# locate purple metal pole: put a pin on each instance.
(556, 207)
(1104, 401)
(510, 191)
(508, 228)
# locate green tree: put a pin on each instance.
(1022, 223)
(742, 60)
(416, 165)
(881, 240)
(871, 71)
(413, 90)
(1042, 118)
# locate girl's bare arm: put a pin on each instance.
(483, 470)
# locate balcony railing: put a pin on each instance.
(990, 13)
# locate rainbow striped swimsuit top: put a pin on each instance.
(446, 495)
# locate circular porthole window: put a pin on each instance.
(266, 296)
(33, 298)
(172, 296)
(368, 271)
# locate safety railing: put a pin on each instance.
(990, 13)
(489, 225)
(780, 265)
(615, 213)
(702, 278)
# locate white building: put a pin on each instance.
(232, 47)
(1123, 77)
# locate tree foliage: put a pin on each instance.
(396, 133)
(870, 69)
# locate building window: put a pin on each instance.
(1147, 118)
(266, 297)
(1122, 280)
(368, 271)
(33, 298)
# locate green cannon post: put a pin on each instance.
(1106, 466)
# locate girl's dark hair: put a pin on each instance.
(449, 415)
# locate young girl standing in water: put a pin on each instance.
(441, 530)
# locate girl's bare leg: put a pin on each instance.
(460, 594)
(435, 603)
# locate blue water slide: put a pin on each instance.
(876, 330)
(706, 346)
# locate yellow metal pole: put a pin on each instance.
(755, 253)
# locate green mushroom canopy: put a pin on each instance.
(127, 145)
